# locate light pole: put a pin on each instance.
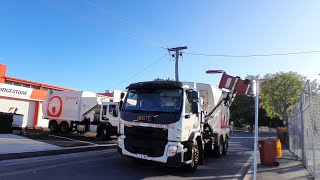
(256, 89)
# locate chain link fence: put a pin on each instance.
(304, 130)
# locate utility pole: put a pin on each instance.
(177, 54)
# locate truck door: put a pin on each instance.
(191, 120)
(110, 113)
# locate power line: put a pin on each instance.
(137, 26)
(137, 36)
(115, 28)
(253, 55)
(139, 72)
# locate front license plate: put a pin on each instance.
(142, 156)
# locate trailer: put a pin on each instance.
(81, 111)
(175, 123)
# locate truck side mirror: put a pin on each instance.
(122, 95)
(120, 104)
(115, 113)
(195, 95)
(194, 108)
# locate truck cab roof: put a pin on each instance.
(156, 84)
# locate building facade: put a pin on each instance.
(24, 97)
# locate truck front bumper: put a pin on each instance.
(175, 153)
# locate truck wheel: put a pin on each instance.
(225, 146)
(208, 148)
(218, 149)
(54, 127)
(64, 126)
(105, 132)
(194, 158)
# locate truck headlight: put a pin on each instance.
(119, 142)
(172, 150)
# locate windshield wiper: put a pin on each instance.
(132, 110)
(150, 111)
(165, 112)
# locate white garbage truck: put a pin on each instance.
(81, 111)
(175, 123)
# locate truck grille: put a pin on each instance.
(146, 133)
(149, 147)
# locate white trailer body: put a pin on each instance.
(69, 105)
(81, 111)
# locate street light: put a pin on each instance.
(215, 71)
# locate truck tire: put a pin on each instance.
(218, 149)
(104, 132)
(194, 158)
(208, 148)
(54, 127)
(225, 146)
(64, 126)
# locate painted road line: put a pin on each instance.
(242, 171)
(61, 137)
(90, 146)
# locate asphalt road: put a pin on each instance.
(67, 140)
(108, 164)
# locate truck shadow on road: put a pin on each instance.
(231, 166)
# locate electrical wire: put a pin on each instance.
(138, 36)
(253, 55)
(114, 27)
(147, 67)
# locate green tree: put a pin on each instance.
(279, 92)
(242, 110)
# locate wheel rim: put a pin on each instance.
(103, 132)
(64, 127)
(53, 126)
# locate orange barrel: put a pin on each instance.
(279, 149)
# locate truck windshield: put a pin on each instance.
(163, 100)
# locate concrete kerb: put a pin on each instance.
(249, 174)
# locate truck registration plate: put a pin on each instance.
(142, 156)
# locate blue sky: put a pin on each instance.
(97, 45)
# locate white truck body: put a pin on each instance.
(70, 105)
(80, 111)
(211, 96)
(165, 121)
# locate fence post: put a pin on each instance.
(303, 152)
(312, 130)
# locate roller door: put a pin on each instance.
(44, 123)
(27, 108)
